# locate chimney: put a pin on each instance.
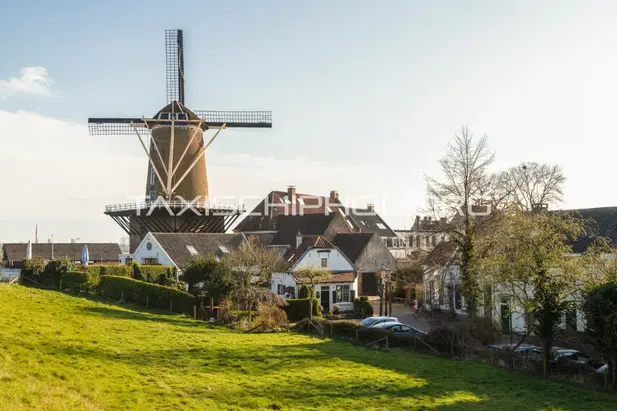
(370, 207)
(334, 195)
(298, 239)
(291, 193)
(417, 222)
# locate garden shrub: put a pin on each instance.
(54, 270)
(363, 306)
(76, 281)
(157, 296)
(299, 309)
(32, 270)
(270, 315)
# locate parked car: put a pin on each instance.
(399, 329)
(602, 370)
(372, 321)
(523, 348)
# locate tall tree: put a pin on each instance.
(529, 266)
(467, 189)
(531, 184)
(253, 263)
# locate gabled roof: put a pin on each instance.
(175, 244)
(277, 204)
(311, 225)
(367, 221)
(352, 244)
(96, 251)
(293, 254)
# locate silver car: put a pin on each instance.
(373, 321)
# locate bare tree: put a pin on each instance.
(468, 190)
(253, 263)
(531, 184)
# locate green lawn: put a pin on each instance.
(67, 353)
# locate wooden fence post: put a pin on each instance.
(357, 334)
(195, 311)
(60, 288)
(146, 301)
(122, 295)
(387, 342)
(171, 306)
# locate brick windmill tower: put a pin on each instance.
(176, 172)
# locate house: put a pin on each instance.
(442, 283)
(176, 249)
(14, 254)
(315, 251)
(369, 255)
(278, 205)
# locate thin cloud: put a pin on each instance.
(33, 81)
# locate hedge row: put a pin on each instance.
(149, 273)
(152, 295)
(79, 281)
(299, 309)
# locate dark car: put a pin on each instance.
(400, 328)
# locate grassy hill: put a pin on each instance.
(64, 353)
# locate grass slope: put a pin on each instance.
(64, 353)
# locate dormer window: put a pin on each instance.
(191, 250)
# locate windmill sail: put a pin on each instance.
(174, 64)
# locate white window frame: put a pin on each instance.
(191, 249)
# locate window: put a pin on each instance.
(152, 176)
(280, 289)
(192, 250)
(380, 225)
(128, 260)
(286, 199)
(431, 291)
(342, 293)
(418, 240)
(152, 195)
(150, 261)
(389, 242)
(324, 262)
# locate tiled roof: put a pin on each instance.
(352, 244)
(290, 226)
(293, 253)
(205, 244)
(336, 277)
(278, 204)
(369, 222)
(97, 251)
(440, 256)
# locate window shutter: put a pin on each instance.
(352, 295)
(334, 297)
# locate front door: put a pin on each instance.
(325, 298)
(505, 318)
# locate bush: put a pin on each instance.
(76, 281)
(55, 269)
(363, 306)
(270, 315)
(32, 270)
(299, 309)
(139, 292)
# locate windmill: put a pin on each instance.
(176, 171)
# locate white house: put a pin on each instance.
(316, 252)
(176, 249)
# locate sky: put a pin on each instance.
(365, 96)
